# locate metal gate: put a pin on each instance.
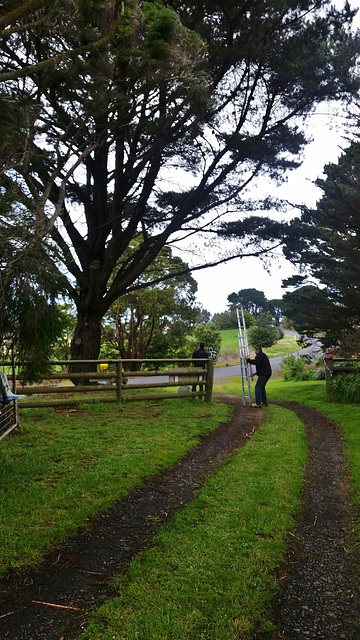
(8, 419)
(8, 397)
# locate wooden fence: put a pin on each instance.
(110, 382)
(332, 370)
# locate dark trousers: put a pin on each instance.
(260, 392)
(201, 386)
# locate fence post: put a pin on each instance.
(119, 381)
(209, 379)
(329, 368)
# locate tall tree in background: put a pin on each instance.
(181, 92)
(228, 319)
(325, 243)
(312, 313)
(154, 321)
(253, 300)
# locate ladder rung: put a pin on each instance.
(243, 351)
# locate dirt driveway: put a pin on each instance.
(320, 595)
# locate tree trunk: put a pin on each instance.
(86, 343)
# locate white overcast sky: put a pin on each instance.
(216, 283)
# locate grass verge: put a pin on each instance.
(230, 347)
(65, 466)
(210, 574)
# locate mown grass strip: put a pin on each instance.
(68, 465)
(210, 574)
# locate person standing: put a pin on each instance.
(263, 372)
(199, 353)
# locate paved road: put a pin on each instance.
(313, 349)
(227, 372)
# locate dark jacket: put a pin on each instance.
(200, 353)
(262, 364)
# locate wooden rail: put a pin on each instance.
(331, 371)
(113, 382)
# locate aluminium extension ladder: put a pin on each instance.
(245, 368)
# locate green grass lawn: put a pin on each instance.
(65, 466)
(211, 571)
(229, 353)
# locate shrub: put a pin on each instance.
(345, 388)
(209, 334)
(264, 333)
(294, 369)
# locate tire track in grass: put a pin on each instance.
(320, 597)
(75, 576)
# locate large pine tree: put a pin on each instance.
(326, 243)
(153, 134)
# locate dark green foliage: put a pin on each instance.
(205, 316)
(153, 322)
(312, 312)
(228, 319)
(208, 334)
(173, 344)
(349, 344)
(253, 300)
(209, 97)
(327, 242)
(34, 325)
(264, 333)
(225, 320)
(162, 30)
(61, 348)
(15, 114)
(29, 286)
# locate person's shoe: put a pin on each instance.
(264, 404)
(256, 406)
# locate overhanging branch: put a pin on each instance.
(214, 263)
